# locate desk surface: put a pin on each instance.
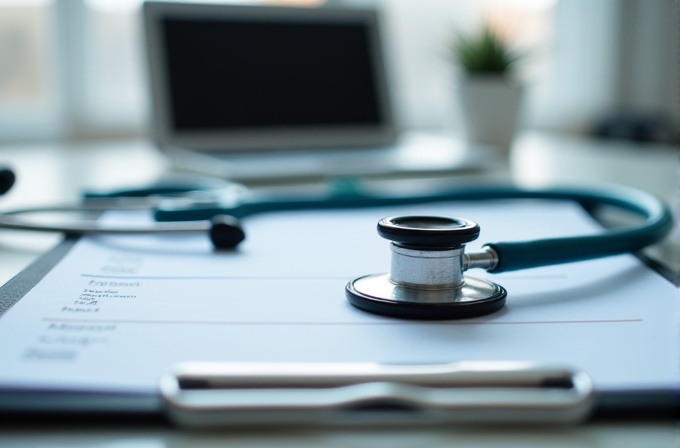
(602, 435)
(55, 172)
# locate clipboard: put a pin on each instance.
(661, 403)
(51, 403)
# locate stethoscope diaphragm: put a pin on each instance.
(426, 280)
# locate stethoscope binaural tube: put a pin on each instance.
(226, 231)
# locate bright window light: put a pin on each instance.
(114, 6)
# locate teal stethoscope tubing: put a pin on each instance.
(658, 220)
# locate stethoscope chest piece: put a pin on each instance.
(426, 279)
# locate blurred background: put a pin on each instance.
(74, 69)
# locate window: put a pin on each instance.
(29, 102)
(75, 68)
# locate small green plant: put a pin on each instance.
(483, 53)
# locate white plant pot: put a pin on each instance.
(489, 109)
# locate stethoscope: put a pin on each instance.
(426, 280)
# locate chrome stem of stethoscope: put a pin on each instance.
(487, 259)
(437, 268)
(426, 279)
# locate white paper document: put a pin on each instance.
(117, 311)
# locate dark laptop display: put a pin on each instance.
(226, 74)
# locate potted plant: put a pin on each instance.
(489, 98)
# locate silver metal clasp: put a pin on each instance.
(226, 394)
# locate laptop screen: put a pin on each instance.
(226, 74)
(234, 77)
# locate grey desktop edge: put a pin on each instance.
(17, 287)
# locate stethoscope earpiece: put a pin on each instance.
(226, 232)
(7, 179)
(426, 279)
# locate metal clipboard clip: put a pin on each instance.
(227, 394)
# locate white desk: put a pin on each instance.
(622, 435)
(55, 172)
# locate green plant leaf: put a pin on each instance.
(483, 53)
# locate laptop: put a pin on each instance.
(261, 92)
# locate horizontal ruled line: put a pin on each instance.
(130, 277)
(448, 322)
(535, 277)
(286, 277)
